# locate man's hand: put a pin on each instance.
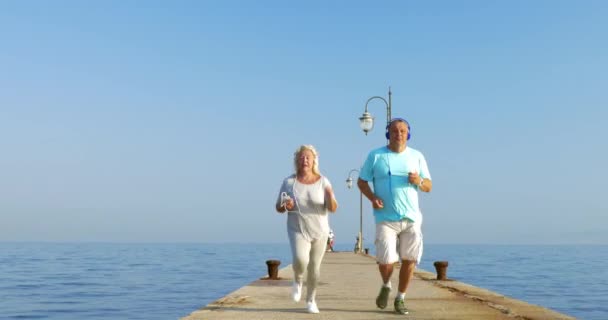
(414, 178)
(377, 203)
(423, 185)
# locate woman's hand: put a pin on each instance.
(289, 204)
(286, 204)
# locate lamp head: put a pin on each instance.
(366, 122)
(349, 182)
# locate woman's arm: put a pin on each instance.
(287, 206)
(330, 199)
(281, 206)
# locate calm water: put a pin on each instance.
(168, 281)
(569, 279)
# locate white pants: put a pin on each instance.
(307, 255)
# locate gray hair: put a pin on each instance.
(296, 156)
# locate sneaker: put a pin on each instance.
(311, 307)
(296, 291)
(382, 299)
(400, 306)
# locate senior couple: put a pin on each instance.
(398, 173)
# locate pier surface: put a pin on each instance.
(348, 288)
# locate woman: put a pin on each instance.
(307, 196)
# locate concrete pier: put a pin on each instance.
(348, 288)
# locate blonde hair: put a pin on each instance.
(315, 164)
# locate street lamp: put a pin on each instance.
(349, 184)
(366, 119)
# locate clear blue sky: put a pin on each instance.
(171, 121)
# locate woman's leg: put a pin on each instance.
(317, 251)
(300, 249)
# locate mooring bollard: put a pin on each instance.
(442, 269)
(273, 269)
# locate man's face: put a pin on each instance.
(398, 132)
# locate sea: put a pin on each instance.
(168, 281)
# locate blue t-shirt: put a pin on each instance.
(388, 171)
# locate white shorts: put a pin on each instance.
(407, 233)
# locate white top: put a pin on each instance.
(309, 215)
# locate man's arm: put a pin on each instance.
(425, 185)
(365, 189)
(377, 203)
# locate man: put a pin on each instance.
(397, 172)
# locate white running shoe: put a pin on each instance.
(296, 291)
(312, 307)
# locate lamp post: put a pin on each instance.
(349, 184)
(366, 119)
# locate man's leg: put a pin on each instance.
(386, 255)
(406, 274)
(386, 271)
(410, 250)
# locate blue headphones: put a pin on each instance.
(409, 131)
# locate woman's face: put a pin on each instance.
(306, 160)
